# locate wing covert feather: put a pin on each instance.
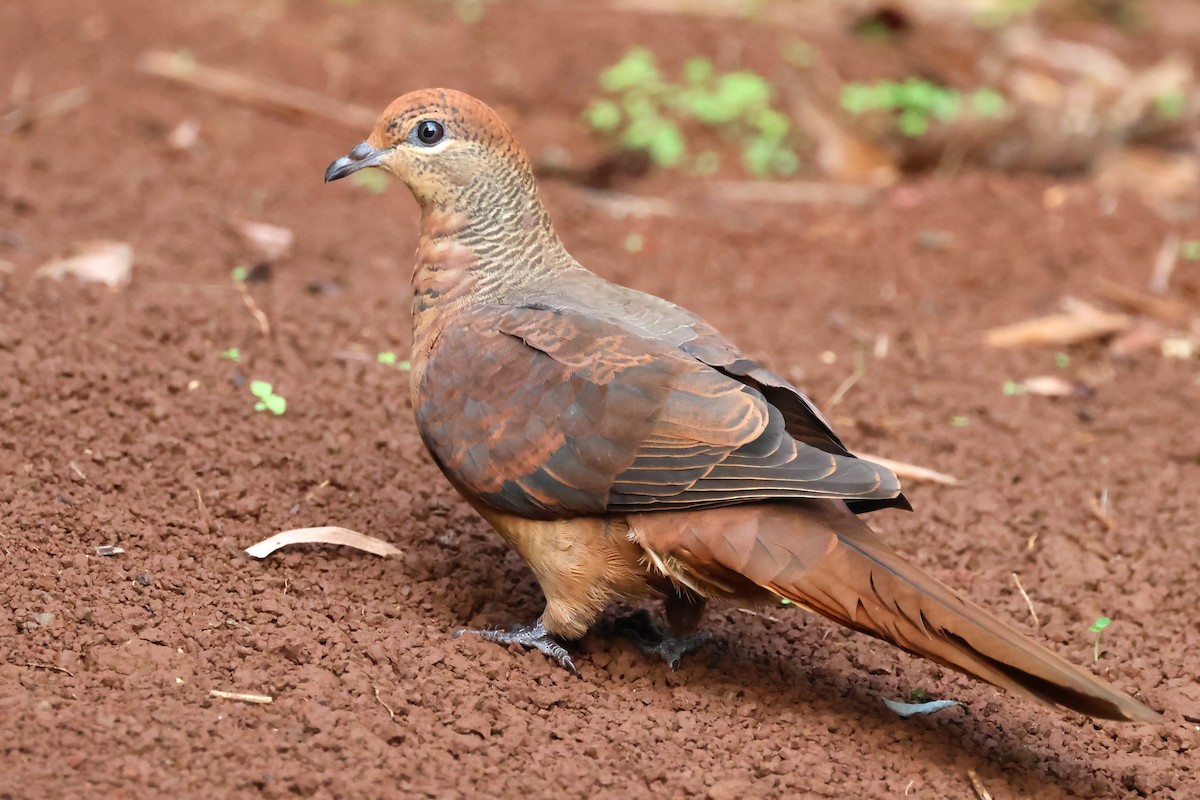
(566, 414)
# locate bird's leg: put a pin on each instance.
(533, 636)
(683, 617)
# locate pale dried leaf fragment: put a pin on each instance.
(1052, 386)
(328, 534)
(245, 697)
(100, 261)
(272, 241)
(911, 471)
(1078, 322)
(906, 710)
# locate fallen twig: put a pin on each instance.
(323, 535)
(255, 92)
(911, 471)
(49, 668)
(980, 790)
(264, 324)
(260, 699)
(1028, 602)
(391, 713)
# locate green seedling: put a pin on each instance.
(388, 358)
(1013, 388)
(634, 243)
(959, 421)
(1098, 628)
(232, 354)
(644, 111)
(239, 274)
(267, 399)
(1171, 104)
(915, 103)
(1190, 250)
(1062, 360)
(372, 180)
(918, 695)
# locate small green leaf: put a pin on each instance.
(667, 147)
(913, 122)
(388, 358)
(603, 116)
(858, 98)
(275, 404)
(233, 354)
(260, 406)
(239, 274)
(697, 70)
(757, 155)
(1012, 388)
(261, 389)
(372, 180)
(1190, 250)
(1171, 104)
(634, 243)
(988, 103)
(1100, 624)
(1062, 360)
(636, 69)
(960, 421)
(404, 366)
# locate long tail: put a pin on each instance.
(820, 555)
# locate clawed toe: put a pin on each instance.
(640, 629)
(532, 636)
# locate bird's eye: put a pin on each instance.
(430, 132)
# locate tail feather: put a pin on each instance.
(820, 555)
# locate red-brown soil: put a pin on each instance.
(122, 424)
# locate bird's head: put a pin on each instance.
(449, 148)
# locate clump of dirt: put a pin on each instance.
(127, 422)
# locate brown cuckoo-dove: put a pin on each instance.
(627, 450)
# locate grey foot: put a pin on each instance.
(652, 640)
(531, 636)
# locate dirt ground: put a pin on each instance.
(122, 424)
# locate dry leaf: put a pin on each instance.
(323, 535)
(272, 241)
(102, 261)
(1052, 386)
(1079, 322)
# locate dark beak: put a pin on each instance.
(362, 156)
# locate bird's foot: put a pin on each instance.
(532, 636)
(648, 637)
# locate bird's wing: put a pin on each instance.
(801, 418)
(549, 413)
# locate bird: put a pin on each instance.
(628, 451)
